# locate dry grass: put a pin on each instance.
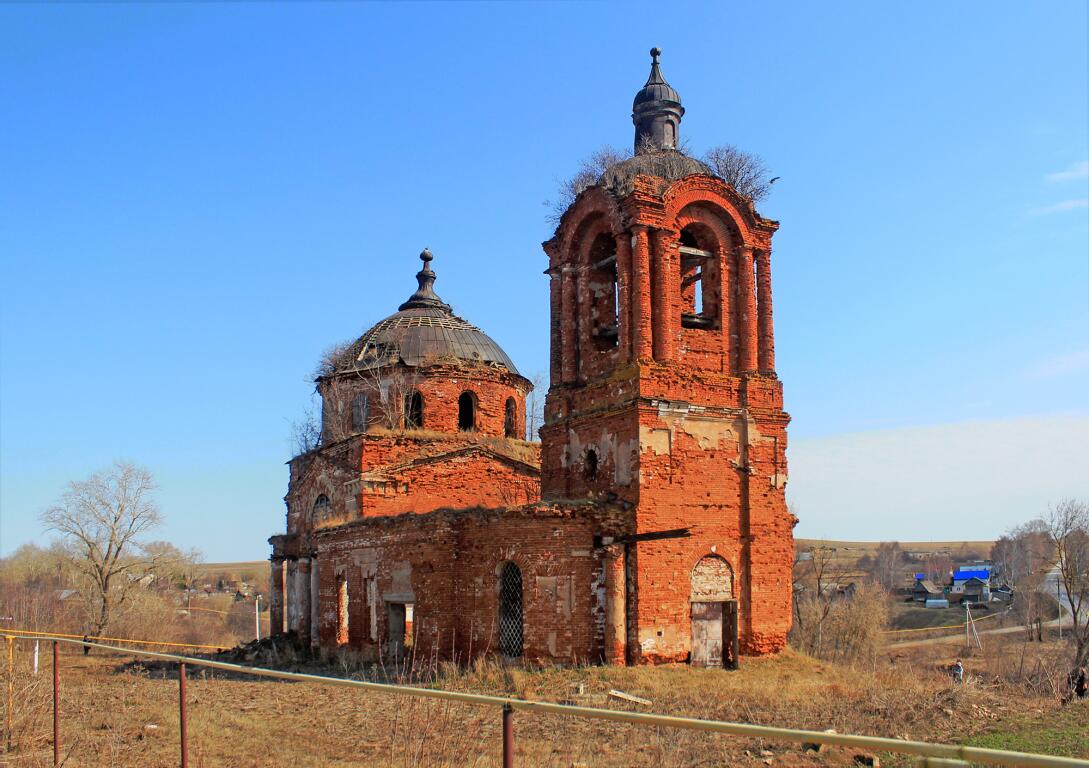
(116, 715)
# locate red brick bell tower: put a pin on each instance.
(664, 401)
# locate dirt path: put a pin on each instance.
(1066, 622)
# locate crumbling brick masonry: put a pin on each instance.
(649, 525)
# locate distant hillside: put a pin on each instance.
(860, 548)
(250, 570)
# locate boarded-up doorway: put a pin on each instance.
(707, 634)
(714, 634)
(714, 614)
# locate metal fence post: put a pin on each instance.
(11, 685)
(56, 706)
(182, 716)
(508, 736)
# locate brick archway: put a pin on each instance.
(714, 614)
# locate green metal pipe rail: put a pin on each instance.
(929, 754)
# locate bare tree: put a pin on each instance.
(535, 401)
(744, 171)
(390, 385)
(1067, 529)
(887, 565)
(305, 433)
(178, 566)
(102, 519)
(589, 171)
(818, 574)
(331, 360)
(1022, 558)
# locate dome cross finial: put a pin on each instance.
(425, 295)
(655, 52)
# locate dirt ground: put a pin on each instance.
(117, 714)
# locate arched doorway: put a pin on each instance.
(510, 610)
(714, 614)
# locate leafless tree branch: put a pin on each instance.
(102, 520)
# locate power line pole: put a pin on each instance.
(1059, 600)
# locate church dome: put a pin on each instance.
(422, 331)
(656, 88)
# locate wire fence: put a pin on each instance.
(925, 752)
(962, 625)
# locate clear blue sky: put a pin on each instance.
(197, 199)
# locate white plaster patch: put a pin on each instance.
(659, 441)
(625, 458)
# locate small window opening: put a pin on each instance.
(589, 465)
(467, 412)
(321, 508)
(510, 610)
(342, 610)
(510, 419)
(414, 411)
(360, 413)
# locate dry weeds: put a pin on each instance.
(117, 715)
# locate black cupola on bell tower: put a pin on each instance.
(656, 112)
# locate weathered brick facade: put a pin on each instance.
(652, 512)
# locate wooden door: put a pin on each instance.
(707, 633)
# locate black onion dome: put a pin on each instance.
(656, 88)
(423, 330)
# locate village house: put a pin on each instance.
(648, 525)
(925, 589)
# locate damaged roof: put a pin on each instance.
(423, 330)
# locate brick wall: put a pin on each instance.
(684, 422)
(441, 385)
(446, 564)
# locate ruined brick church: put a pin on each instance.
(648, 525)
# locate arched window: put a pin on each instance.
(510, 418)
(589, 466)
(712, 580)
(321, 508)
(510, 610)
(467, 412)
(604, 292)
(360, 412)
(414, 411)
(697, 262)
